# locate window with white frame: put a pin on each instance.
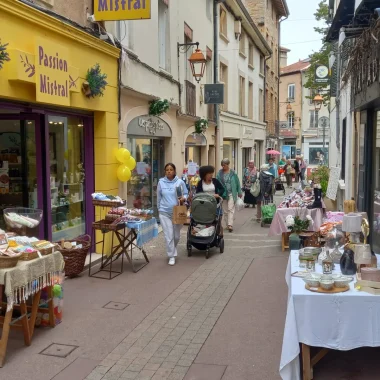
(250, 100)
(242, 44)
(291, 120)
(312, 119)
(291, 92)
(223, 21)
(250, 54)
(242, 92)
(223, 78)
(164, 35)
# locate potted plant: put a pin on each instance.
(158, 107)
(95, 83)
(4, 55)
(297, 225)
(201, 125)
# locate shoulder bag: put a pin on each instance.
(255, 188)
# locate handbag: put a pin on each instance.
(179, 215)
(255, 188)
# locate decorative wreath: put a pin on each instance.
(158, 107)
(4, 55)
(201, 125)
(95, 83)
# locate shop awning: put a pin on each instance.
(344, 14)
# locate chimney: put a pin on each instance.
(283, 57)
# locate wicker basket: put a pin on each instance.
(110, 204)
(75, 258)
(29, 256)
(105, 225)
(8, 262)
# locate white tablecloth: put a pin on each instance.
(341, 321)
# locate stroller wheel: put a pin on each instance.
(221, 245)
(189, 251)
(207, 253)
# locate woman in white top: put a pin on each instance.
(210, 185)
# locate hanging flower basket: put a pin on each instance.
(4, 55)
(158, 107)
(201, 125)
(95, 83)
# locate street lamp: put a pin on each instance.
(197, 60)
(318, 101)
(288, 108)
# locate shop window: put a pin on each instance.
(223, 72)
(318, 155)
(164, 35)
(229, 151)
(241, 96)
(289, 150)
(250, 100)
(67, 177)
(291, 92)
(223, 21)
(376, 195)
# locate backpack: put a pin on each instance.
(255, 188)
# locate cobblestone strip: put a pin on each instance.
(165, 344)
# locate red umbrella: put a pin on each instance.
(272, 151)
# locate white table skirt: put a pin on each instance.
(341, 321)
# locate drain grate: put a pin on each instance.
(116, 305)
(58, 350)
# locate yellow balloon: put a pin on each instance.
(120, 154)
(123, 173)
(126, 156)
(131, 163)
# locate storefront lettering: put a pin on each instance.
(52, 88)
(116, 5)
(52, 62)
(151, 126)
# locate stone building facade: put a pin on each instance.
(268, 14)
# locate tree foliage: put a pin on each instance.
(320, 57)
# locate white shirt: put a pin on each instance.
(209, 189)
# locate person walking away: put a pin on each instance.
(297, 168)
(210, 185)
(289, 173)
(231, 183)
(171, 191)
(249, 177)
(266, 187)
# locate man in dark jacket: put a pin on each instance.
(297, 169)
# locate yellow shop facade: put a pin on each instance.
(56, 143)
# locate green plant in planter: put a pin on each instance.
(158, 107)
(321, 176)
(201, 125)
(95, 83)
(4, 55)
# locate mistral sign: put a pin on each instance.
(113, 10)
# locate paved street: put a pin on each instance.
(216, 319)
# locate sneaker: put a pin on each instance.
(172, 261)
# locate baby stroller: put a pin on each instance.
(205, 224)
(278, 185)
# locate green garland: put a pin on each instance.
(4, 56)
(158, 107)
(201, 125)
(95, 82)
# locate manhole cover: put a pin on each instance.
(58, 350)
(116, 305)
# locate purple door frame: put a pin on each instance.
(43, 167)
(40, 184)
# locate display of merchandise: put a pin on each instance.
(298, 198)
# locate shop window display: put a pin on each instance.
(376, 196)
(67, 185)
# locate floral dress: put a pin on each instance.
(249, 177)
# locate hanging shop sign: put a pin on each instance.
(322, 74)
(214, 93)
(116, 10)
(149, 126)
(49, 68)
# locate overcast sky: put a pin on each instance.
(297, 32)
